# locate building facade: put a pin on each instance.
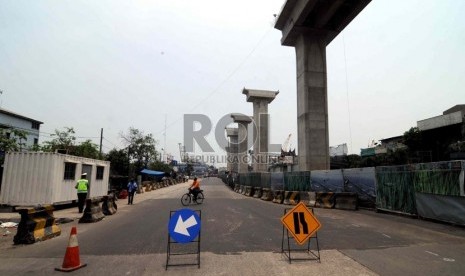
(10, 121)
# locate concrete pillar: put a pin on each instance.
(312, 104)
(233, 161)
(243, 121)
(260, 100)
(309, 26)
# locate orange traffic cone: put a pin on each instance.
(71, 261)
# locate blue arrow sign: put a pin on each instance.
(184, 225)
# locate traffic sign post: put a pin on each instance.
(303, 226)
(184, 228)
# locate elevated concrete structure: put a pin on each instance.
(260, 100)
(243, 121)
(231, 149)
(309, 26)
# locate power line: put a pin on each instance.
(229, 76)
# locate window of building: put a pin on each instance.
(8, 135)
(100, 170)
(35, 125)
(36, 141)
(70, 171)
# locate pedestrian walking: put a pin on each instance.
(132, 188)
(82, 187)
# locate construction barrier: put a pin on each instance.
(324, 200)
(92, 212)
(310, 199)
(36, 224)
(278, 196)
(257, 192)
(140, 189)
(71, 261)
(108, 205)
(267, 194)
(242, 189)
(248, 190)
(237, 187)
(346, 201)
(291, 197)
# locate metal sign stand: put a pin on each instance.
(171, 241)
(313, 254)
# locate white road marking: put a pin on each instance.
(387, 236)
(432, 253)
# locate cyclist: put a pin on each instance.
(195, 188)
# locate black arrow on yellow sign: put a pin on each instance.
(299, 218)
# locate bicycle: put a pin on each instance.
(188, 197)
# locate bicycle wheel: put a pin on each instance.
(200, 198)
(185, 199)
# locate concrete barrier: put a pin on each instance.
(36, 224)
(241, 189)
(237, 188)
(249, 190)
(92, 212)
(325, 200)
(257, 192)
(267, 195)
(346, 201)
(278, 196)
(310, 199)
(108, 205)
(291, 197)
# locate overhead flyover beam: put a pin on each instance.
(316, 16)
(309, 26)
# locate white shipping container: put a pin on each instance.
(32, 178)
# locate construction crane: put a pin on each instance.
(286, 145)
(286, 148)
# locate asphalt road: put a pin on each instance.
(243, 235)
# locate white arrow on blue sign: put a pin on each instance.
(184, 225)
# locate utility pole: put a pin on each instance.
(164, 142)
(101, 140)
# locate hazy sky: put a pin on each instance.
(119, 64)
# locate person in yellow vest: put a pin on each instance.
(82, 187)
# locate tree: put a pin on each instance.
(160, 166)
(64, 140)
(413, 140)
(353, 160)
(119, 161)
(12, 139)
(141, 148)
(86, 149)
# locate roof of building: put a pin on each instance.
(459, 107)
(10, 113)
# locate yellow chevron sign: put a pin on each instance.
(301, 222)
